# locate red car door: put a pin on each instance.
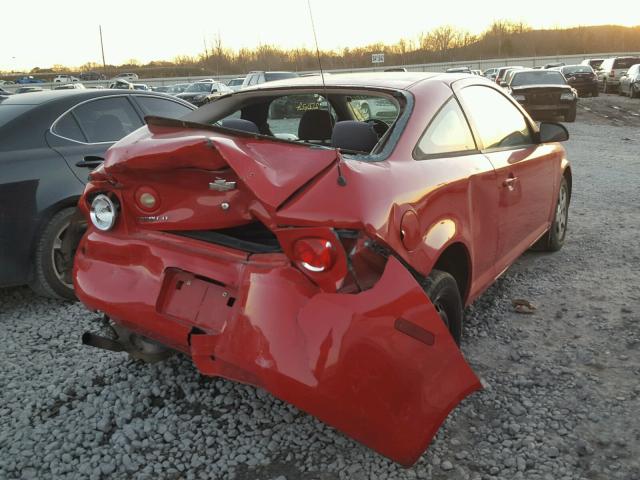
(524, 170)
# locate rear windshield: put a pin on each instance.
(9, 112)
(577, 69)
(626, 62)
(270, 77)
(199, 87)
(541, 77)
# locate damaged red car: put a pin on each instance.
(325, 254)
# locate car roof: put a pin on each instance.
(46, 96)
(392, 80)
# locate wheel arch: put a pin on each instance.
(456, 260)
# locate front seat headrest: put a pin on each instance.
(315, 125)
(239, 124)
(353, 135)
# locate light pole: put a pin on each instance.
(104, 64)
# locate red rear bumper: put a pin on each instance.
(379, 365)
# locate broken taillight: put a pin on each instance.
(314, 254)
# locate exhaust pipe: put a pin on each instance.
(137, 346)
(105, 343)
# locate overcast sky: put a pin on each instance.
(66, 32)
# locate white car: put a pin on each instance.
(130, 77)
(65, 79)
(70, 86)
(235, 84)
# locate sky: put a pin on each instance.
(67, 32)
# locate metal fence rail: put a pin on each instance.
(482, 64)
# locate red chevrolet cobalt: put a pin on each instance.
(321, 241)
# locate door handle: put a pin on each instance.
(90, 161)
(509, 182)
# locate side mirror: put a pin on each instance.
(553, 132)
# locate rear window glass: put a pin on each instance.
(270, 77)
(577, 69)
(625, 62)
(161, 107)
(542, 77)
(9, 112)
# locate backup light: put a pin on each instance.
(314, 254)
(103, 213)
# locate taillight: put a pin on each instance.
(612, 74)
(314, 254)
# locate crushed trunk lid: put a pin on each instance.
(272, 169)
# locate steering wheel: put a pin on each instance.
(379, 126)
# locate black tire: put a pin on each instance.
(442, 290)
(633, 93)
(48, 280)
(553, 240)
(604, 87)
(595, 92)
(570, 116)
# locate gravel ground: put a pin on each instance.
(562, 396)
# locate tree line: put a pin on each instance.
(446, 43)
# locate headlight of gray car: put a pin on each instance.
(567, 96)
(103, 213)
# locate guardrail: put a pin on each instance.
(482, 64)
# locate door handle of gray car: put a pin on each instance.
(90, 161)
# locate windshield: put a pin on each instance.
(9, 112)
(269, 77)
(541, 77)
(577, 69)
(199, 87)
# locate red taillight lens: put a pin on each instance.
(314, 254)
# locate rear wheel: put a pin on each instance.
(570, 116)
(633, 91)
(442, 290)
(604, 87)
(595, 92)
(51, 279)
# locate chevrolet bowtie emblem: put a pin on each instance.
(221, 185)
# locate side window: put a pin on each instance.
(67, 127)
(107, 119)
(500, 124)
(447, 133)
(162, 107)
(254, 79)
(365, 108)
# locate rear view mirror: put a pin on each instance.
(553, 132)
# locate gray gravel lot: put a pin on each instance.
(562, 396)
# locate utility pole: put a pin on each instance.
(104, 64)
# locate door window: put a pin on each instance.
(107, 119)
(447, 133)
(499, 123)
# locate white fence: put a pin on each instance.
(482, 64)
